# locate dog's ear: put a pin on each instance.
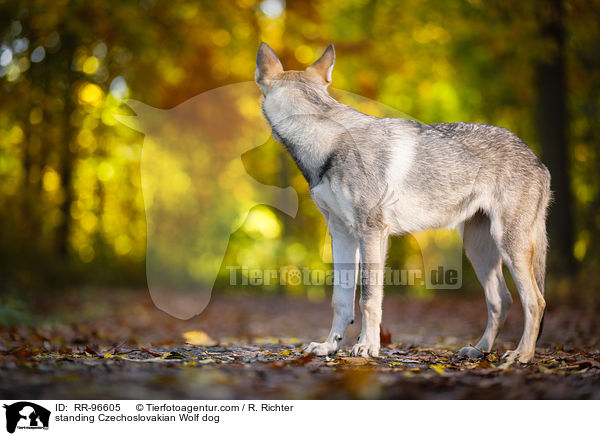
(324, 65)
(267, 64)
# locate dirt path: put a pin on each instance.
(116, 344)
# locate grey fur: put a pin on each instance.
(481, 177)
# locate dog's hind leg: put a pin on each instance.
(483, 253)
(521, 254)
(345, 258)
(372, 247)
(521, 237)
(518, 226)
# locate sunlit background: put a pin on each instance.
(71, 204)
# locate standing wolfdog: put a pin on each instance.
(372, 177)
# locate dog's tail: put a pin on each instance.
(539, 272)
(540, 246)
(539, 264)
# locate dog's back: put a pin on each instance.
(439, 174)
(459, 168)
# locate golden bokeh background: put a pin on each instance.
(72, 197)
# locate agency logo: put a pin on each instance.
(26, 415)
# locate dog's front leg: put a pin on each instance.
(372, 247)
(344, 247)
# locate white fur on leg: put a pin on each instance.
(322, 348)
(368, 344)
(345, 258)
(365, 350)
(372, 257)
(369, 341)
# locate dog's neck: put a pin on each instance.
(307, 128)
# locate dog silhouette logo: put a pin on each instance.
(26, 415)
(196, 189)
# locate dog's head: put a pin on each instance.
(270, 76)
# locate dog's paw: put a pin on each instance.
(470, 352)
(365, 350)
(322, 348)
(518, 355)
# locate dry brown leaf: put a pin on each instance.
(22, 352)
(385, 337)
(298, 361)
(91, 350)
(356, 361)
(65, 350)
(152, 353)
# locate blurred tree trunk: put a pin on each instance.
(552, 128)
(29, 199)
(67, 158)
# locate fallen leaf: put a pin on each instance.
(65, 350)
(198, 337)
(356, 361)
(175, 355)
(302, 360)
(22, 352)
(438, 368)
(90, 350)
(385, 337)
(491, 357)
(152, 353)
(299, 361)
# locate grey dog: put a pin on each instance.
(372, 177)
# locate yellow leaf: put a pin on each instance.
(266, 340)
(438, 368)
(198, 337)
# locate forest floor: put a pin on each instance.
(115, 344)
